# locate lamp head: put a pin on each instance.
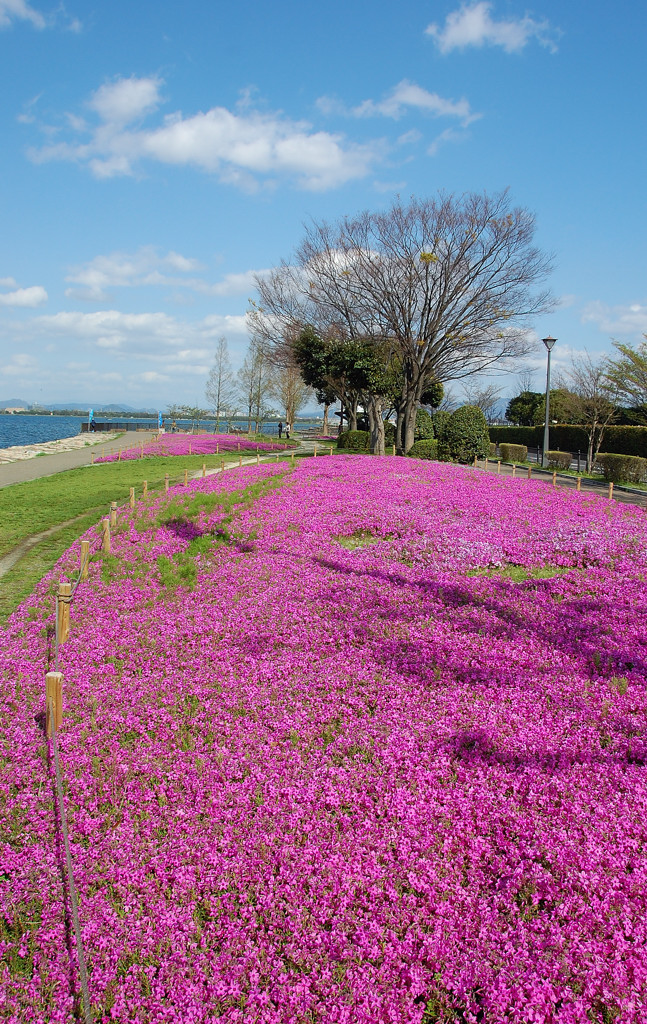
(549, 342)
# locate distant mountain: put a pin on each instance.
(97, 406)
(14, 403)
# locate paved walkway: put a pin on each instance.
(569, 483)
(49, 465)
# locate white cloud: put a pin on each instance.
(240, 147)
(407, 96)
(22, 297)
(127, 270)
(613, 320)
(125, 100)
(147, 266)
(473, 25)
(19, 10)
(128, 335)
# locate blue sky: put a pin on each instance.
(155, 155)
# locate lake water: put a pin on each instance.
(36, 429)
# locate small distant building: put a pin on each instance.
(14, 408)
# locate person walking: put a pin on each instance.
(288, 428)
(280, 430)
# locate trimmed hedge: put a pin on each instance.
(623, 469)
(558, 460)
(513, 452)
(355, 441)
(567, 438)
(426, 449)
(492, 451)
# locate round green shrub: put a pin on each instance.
(425, 449)
(465, 435)
(424, 428)
(355, 441)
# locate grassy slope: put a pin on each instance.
(29, 508)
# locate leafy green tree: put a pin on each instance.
(565, 407)
(628, 374)
(523, 409)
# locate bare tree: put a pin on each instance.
(288, 388)
(255, 383)
(596, 397)
(221, 385)
(526, 378)
(448, 283)
(485, 397)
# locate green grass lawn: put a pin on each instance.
(35, 506)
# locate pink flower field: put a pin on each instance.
(194, 444)
(360, 741)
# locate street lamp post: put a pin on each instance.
(548, 342)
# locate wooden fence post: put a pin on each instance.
(554, 478)
(258, 458)
(578, 486)
(166, 482)
(64, 596)
(105, 536)
(292, 457)
(204, 470)
(53, 701)
(529, 472)
(475, 461)
(217, 449)
(610, 488)
(92, 458)
(315, 451)
(132, 497)
(113, 513)
(145, 488)
(498, 466)
(85, 559)
(186, 477)
(514, 470)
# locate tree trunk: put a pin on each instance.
(351, 409)
(409, 422)
(325, 428)
(374, 409)
(399, 431)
